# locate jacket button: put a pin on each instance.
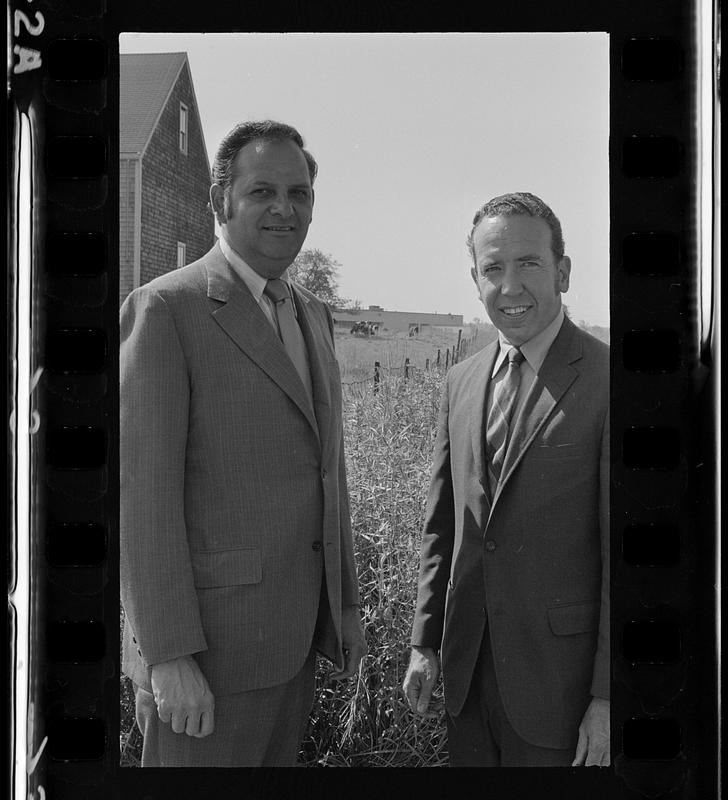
(133, 638)
(324, 473)
(490, 545)
(316, 546)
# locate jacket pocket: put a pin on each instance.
(574, 618)
(227, 567)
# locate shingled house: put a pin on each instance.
(164, 172)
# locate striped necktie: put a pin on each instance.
(289, 331)
(499, 418)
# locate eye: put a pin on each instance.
(301, 193)
(492, 269)
(261, 192)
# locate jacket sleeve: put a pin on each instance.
(437, 541)
(601, 678)
(157, 586)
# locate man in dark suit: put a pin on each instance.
(236, 551)
(514, 567)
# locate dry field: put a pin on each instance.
(357, 354)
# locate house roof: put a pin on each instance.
(145, 83)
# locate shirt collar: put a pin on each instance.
(535, 349)
(256, 283)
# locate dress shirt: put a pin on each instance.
(534, 353)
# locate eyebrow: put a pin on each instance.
(529, 258)
(273, 183)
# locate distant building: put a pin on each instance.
(164, 172)
(407, 321)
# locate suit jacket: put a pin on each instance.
(534, 561)
(233, 491)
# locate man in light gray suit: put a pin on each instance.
(237, 562)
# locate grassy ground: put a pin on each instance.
(389, 438)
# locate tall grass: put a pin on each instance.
(365, 721)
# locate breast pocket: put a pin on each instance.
(555, 472)
(235, 567)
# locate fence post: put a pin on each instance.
(447, 358)
(376, 377)
(427, 365)
(406, 368)
(460, 336)
(438, 356)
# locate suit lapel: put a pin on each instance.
(549, 386)
(245, 323)
(315, 338)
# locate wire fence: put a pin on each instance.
(442, 360)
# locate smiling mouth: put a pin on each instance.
(514, 311)
(279, 228)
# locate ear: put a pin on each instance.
(474, 275)
(563, 271)
(217, 201)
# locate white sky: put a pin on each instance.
(412, 133)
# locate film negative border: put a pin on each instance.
(65, 94)
(659, 710)
(59, 90)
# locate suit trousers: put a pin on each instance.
(260, 728)
(481, 735)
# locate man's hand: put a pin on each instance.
(183, 696)
(592, 749)
(352, 641)
(420, 678)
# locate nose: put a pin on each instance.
(281, 205)
(511, 281)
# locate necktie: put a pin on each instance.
(499, 418)
(289, 330)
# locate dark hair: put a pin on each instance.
(245, 132)
(526, 204)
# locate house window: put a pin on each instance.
(181, 254)
(183, 114)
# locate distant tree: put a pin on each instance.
(319, 273)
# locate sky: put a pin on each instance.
(412, 133)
